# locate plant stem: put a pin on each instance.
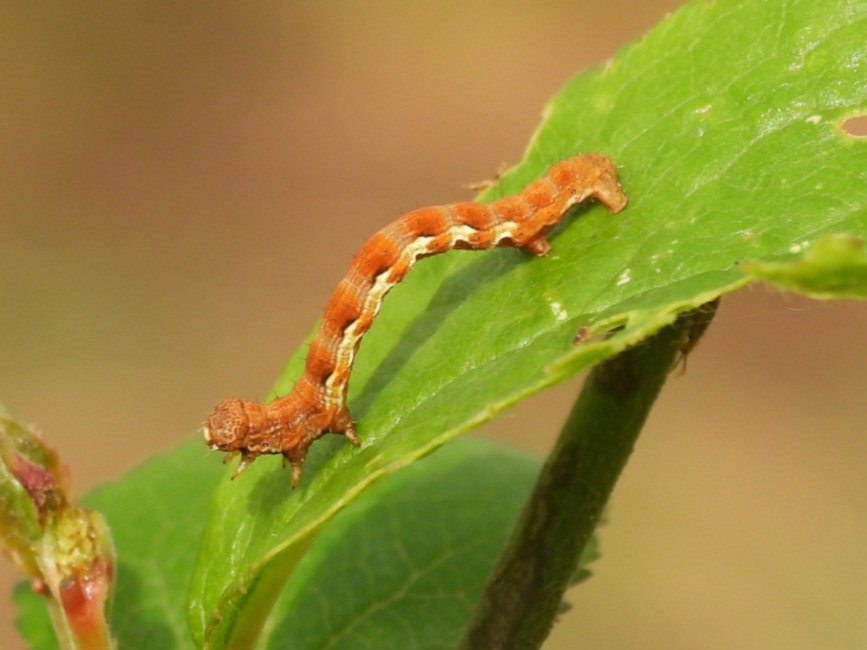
(525, 591)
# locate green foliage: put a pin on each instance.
(724, 121)
(402, 566)
(833, 266)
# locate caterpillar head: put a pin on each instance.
(229, 424)
(250, 429)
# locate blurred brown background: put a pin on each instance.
(183, 183)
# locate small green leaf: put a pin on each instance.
(724, 121)
(21, 515)
(834, 266)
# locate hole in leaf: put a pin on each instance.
(856, 126)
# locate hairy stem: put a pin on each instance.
(526, 588)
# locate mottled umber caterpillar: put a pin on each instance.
(317, 403)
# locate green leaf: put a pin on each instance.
(834, 266)
(724, 121)
(403, 565)
(156, 516)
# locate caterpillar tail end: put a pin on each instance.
(607, 189)
(612, 197)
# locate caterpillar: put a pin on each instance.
(316, 404)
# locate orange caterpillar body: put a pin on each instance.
(317, 403)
